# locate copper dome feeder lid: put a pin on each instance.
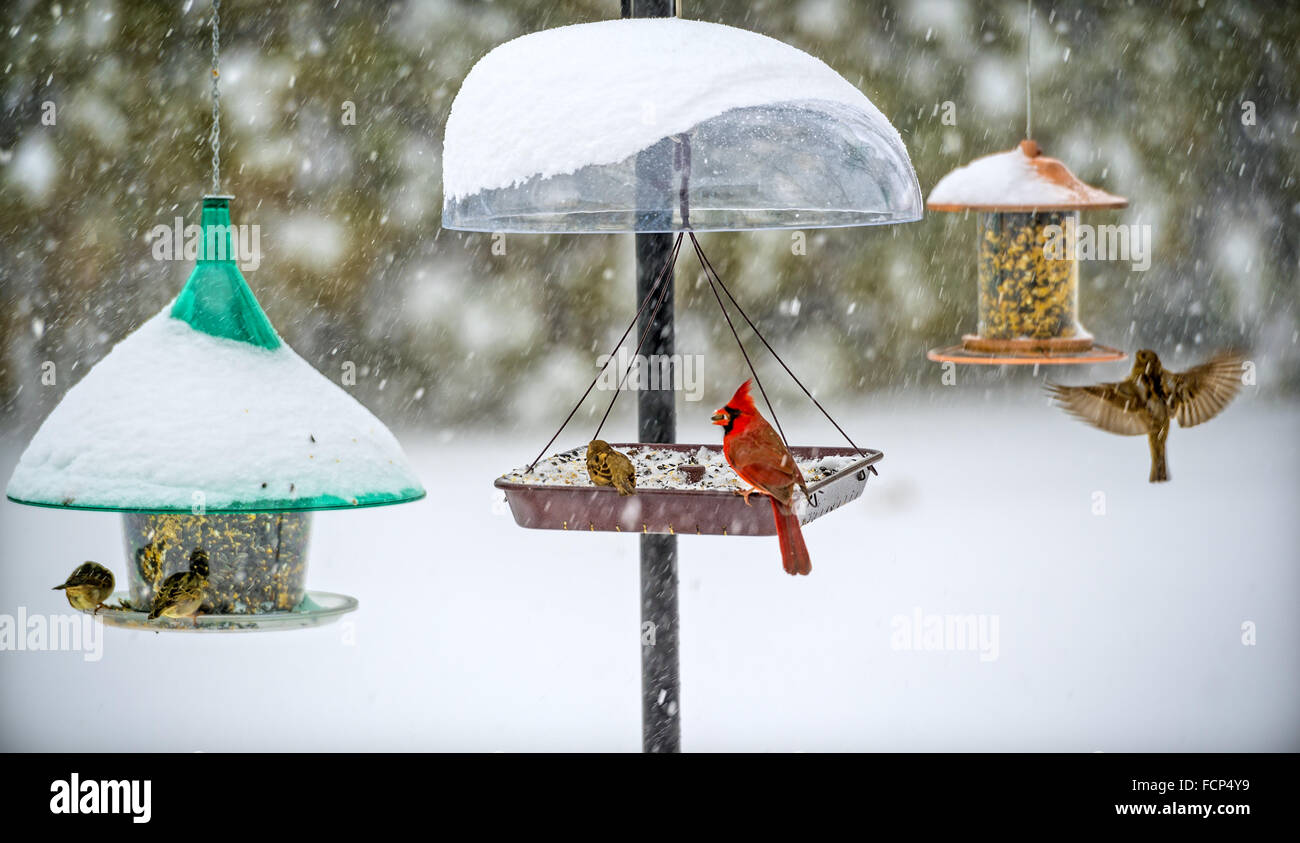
(1019, 180)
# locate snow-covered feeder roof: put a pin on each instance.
(593, 127)
(1020, 179)
(183, 416)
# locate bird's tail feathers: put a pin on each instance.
(1159, 466)
(794, 553)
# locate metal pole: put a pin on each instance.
(657, 422)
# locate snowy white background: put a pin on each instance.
(1117, 632)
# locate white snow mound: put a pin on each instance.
(552, 102)
(1012, 179)
(172, 411)
(1003, 178)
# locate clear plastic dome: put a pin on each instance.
(686, 124)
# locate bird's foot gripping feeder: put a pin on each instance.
(1028, 270)
(557, 495)
(250, 442)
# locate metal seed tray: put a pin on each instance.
(714, 512)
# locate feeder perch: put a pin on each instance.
(1027, 211)
(206, 430)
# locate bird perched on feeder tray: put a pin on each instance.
(1151, 396)
(608, 467)
(181, 594)
(755, 450)
(88, 587)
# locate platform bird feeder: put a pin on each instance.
(206, 431)
(1027, 273)
(663, 128)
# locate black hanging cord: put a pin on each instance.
(659, 303)
(672, 258)
(713, 275)
(699, 254)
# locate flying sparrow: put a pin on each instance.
(1151, 396)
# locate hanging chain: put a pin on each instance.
(216, 98)
(1029, 49)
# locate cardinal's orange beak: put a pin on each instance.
(720, 417)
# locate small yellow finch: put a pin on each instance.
(88, 587)
(1151, 397)
(181, 594)
(608, 467)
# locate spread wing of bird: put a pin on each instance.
(1201, 393)
(1114, 407)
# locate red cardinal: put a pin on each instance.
(756, 452)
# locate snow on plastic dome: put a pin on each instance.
(204, 409)
(172, 418)
(602, 126)
(1020, 179)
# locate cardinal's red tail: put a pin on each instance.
(794, 553)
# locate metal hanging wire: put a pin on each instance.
(714, 277)
(699, 254)
(659, 303)
(655, 288)
(659, 293)
(215, 135)
(1029, 51)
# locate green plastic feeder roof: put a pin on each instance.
(205, 409)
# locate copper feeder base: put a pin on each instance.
(1064, 351)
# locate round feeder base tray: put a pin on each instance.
(1066, 351)
(318, 608)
